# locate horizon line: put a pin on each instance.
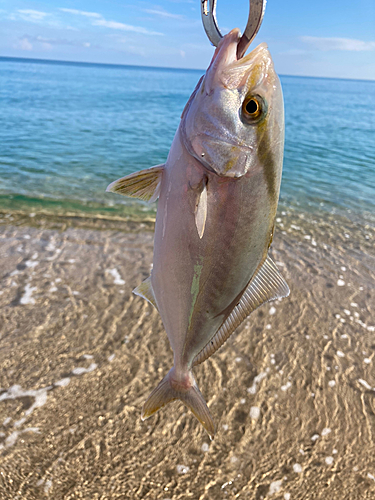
(164, 68)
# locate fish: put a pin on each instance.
(217, 197)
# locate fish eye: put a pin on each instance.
(253, 109)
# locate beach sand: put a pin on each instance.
(292, 392)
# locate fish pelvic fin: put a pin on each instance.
(146, 291)
(267, 284)
(144, 184)
(186, 390)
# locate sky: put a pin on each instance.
(328, 38)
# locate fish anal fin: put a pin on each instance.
(266, 285)
(201, 212)
(145, 291)
(144, 184)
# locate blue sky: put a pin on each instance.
(313, 38)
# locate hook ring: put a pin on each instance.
(256, 13)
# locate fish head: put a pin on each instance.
(236, 112)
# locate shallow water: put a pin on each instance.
(292, 392)
(67, 131)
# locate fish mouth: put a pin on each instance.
(226, 51)
(230, 72)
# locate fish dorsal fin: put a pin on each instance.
(201, 212)
(144, 184)
(145, 291)
(266, 285)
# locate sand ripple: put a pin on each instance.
(292, 392)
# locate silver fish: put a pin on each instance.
(218, 193)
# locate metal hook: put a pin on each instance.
(257, 8)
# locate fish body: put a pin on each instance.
(218, 193)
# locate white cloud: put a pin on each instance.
(47, 43)
(32, 15)
(24, 44)
(82, 13)
(350, 44)
(115, 25)
(163, 13)
(128, 48)
(61, 41)
(98, 20)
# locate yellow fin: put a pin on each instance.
(145, 291)
(201, 212)
(144, 184)
(266, 285)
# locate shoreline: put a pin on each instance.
(65, 220)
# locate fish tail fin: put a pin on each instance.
(186, 390)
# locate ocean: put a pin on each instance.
(291, 392)
(68, 130)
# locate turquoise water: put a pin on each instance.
(67, 130)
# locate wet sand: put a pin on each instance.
(292, 392)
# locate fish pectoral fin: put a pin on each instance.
(144, 184)
(146, 291)
(201, 211)
(167, 390)
(266, 285)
